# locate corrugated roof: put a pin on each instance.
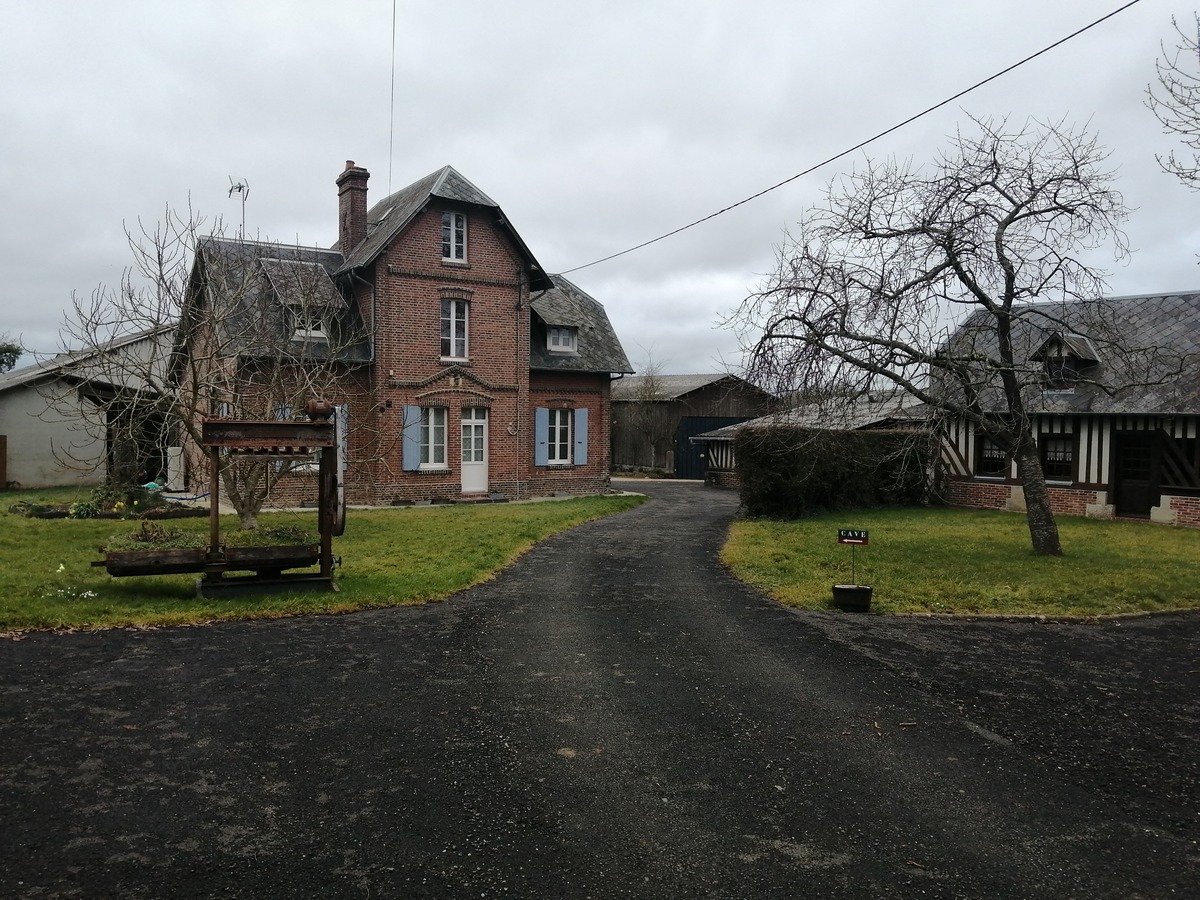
(80, 363)
(599, 350)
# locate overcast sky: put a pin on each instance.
(596, 126)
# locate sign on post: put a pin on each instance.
(852, 536)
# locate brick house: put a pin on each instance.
(459, 367)
(1114, 390)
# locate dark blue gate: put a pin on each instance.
(689, 457)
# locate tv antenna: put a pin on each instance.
(241, 186)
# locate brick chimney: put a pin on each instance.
(352, 207)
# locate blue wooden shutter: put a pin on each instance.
(541, 436)
(411, 438)
(581, 437)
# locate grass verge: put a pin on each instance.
(971, 561)
(392, 558)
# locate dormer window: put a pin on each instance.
(307, 294)
(562, 339)
(1061, 373)
(454, 237)
(308, 325)
(1064, 358)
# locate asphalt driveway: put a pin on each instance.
(613, 716)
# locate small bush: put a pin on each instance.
(270, 536)
(83, 509)
(152, 536)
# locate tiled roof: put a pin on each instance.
(598, 347)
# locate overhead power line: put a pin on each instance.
(860, 144)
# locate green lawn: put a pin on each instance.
(971, 561)
(391, 557)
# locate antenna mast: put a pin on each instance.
(241, 186)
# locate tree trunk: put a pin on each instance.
(1043, 530)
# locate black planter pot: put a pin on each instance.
(852, 597)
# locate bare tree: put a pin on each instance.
(255, 329)
(1176, 101)
(869, 293)
(644, 415)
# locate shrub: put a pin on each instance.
(790, 473)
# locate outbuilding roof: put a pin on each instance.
(671, 387)
(87, 365)
(874, 409)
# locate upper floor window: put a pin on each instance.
(561, 339)
(454, 329)
(1066, 359)
(308, 325)
(454, 236)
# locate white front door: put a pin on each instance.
(474, 450)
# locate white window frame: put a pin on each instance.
(433, 437)
(454, 237)
(560, 438)
(455, 311)
(562, 339)
(308, 325)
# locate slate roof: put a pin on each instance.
(1146, 347)
(566, 304)
(264, 280)
(390, 216)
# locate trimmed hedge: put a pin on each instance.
(790, 473)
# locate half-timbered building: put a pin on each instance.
(1115, 408)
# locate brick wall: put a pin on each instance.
(1187, 511)
(723, 478)
(978, 494)
(573, 391)
(998, 495)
